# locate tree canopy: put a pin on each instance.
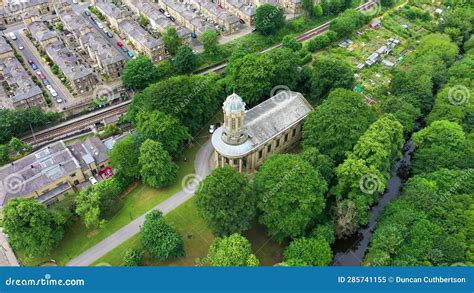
(157, 167)
(309, 252)
(210, 42)
(291, 195)
(269, 18)
(234, 250)
(328, 74)
(124, 158)
(186, 61)
(172, 40)
(31, 227)
(139, 73)
(226, 201)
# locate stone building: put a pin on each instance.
(248, 138)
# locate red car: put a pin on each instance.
(120, 44)
(42, 76)
(30, 61)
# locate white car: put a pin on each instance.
(93, 181)
(49, 87)
(100, 25)
(59, 100)
(167, 14)
(212, 128)
(53, 93)
(105, 30)
(38, 72)
(12, 36)
(21, 47)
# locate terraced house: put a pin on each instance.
(16, 10)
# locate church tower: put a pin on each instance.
(234, 112)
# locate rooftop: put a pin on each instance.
(134, 31)
(67, 61)
(19, 81)
(41, 31)
(4, 46)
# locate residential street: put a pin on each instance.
(202, 167)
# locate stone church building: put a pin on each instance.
(248, 138)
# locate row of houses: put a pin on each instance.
(104, 55)
(51, 172)
(18, 90)
(81, 77)
(13, 11)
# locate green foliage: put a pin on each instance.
(325, 231)
(308, 7)
(97, 202)
(329, 74)
(157, 168)
(191, 99)
(19, 146)
(133, 257)
(269, 19)
(31, 227)
(443, 144)
(317, 11)
(139, 73)
(459, 23)
(4, 156)
(405, 112)
(172, 40)
(291, 43)
(143, 20)
(334, 7)
(318, 43)
(159, 238)
(226, 201)
(110, 130)
(186, 61)
(347, 22)
(336, 125)
(364, 174)
(124, 158)
(210, 42)
(164, 128)
(291, 195)
(233, 250)
(254, 75)
(323, 163)
(311, 251)
(387, 3)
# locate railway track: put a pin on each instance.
(82, 123)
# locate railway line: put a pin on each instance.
(85, 122)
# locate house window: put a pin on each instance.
(227, 161)
(73, 175)
(301, 127)
(294, 132)
(286, 137)
(236, 161)
(269, 148)
(260, 154)
(277, 143)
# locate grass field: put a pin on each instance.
(139, 200)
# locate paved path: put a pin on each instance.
(202, 167)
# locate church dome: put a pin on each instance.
(234, 104)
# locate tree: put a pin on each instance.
(233, 250)
(210, 41)
(172, 40)
(186, 60)
(308, 6)
(157, 168)
(336, 125)
(124, 158)
(97, 202)
(133, 257)
(269, 19)
(311, 251)
(291, 43)
(323, 163)
(221, 187)
(192, 99)
(318, 43)
(291, 195)
(139, 73)
(31, 227)
(318, 11)
(387, 3)
(254, 75)
(334, 7)
(405, 112)
(19, 146)
(159, 238)
(442, 144)
(4, 156)
(164, 128)
(143, 20)
(329, 74)
(347, 22)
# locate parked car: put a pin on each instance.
(59, 100)
(21, 47)
(172, 18)
(30, 62)
(42, 76)
(166, 14)
(211, 128)
(105, 30)
(87, 12)
(74, 2)
(130, 54)
(193, 35)
(93, 181)
(124, 49)
(12, 36)
(93, 19)
(120, 44)
(161, 10)
(110, 35)
(49, 87)
(38, 72)
(241, 21)
(100, 25)
(45, 82)
(54, 93)
(34, 66)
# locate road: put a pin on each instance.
(80, 8)
(202, 167)
(30, 53)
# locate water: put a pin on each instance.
(351, 251)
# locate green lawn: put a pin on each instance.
(197, 239)
(139, 200)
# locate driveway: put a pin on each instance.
(203, 168)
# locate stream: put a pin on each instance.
(351, 251)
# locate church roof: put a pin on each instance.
(234, 103)
(265, 121)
